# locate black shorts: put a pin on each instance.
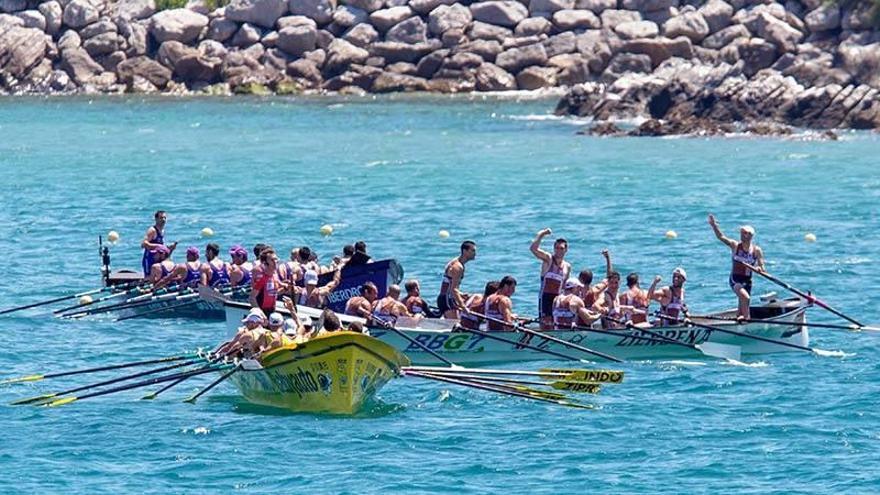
(743, 280)
(445, 303)
(545, 304)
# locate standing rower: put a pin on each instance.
(671, 298)
(743, 252)
(265, 284)
(154, 238)
(215, 271)
(499, 307)
(450, 300)
(554, 272)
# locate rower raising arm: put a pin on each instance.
(742, 253)
(554, 272)
(671, 297)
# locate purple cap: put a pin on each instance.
(237, 250)
(192, 250)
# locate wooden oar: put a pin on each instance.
(805, 295)
(34, 378)
(731, 353)
(520, 328)
(489, 335)
(790, 323)
(102, 299)
(57, 299)
(196, 299)
(47, 397)
(92, 309)
(192, 398)
(134, 303)
(140, 384)
(498, 390)
(818, 352)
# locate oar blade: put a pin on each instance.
(29, 378)
(31, 400)
(584, 375)
(723, 351)
(577, 386)
(61, 402)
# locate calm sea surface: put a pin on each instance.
(395, 172)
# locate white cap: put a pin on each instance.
(748, 228)
(304, 320)
(573, 283)
(276, 319)
(256, 315)
(311, 277)
(290, 326)
(680, 271)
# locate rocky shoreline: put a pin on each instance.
(702, 67)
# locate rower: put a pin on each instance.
(475, 304)
(311, 295)
(154, 238)
(360, 256)
(265, 284)
(258, 248)
(362, 305)
(671, 298)
(328, 322)
(608, 303)
(413, 300)
(389, 309)
(450, 299)
(554, 272)
(214, 272)
(245, 339)
(498, 306)
(589, 293)
(275, 321)
(187, 274)
(163, 265)
(636, 298)
(307, 259)
(291, 271)
(743, 252)
(240, 269)
(569, 309)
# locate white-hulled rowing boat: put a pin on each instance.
(468, 349)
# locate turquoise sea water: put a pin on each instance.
(395, 172)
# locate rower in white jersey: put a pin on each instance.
(389, 308)
(608, 303)
(554, 272)
(743, 252)
(671, 298)
(569, 309)
(311, 295)
(451, 300)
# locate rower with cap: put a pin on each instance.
(569, 310)
(244, 342)
(163, 265)
(154, 238)
(240, 269)
(554, 272)
(311, 295)
(671, 298)
(743, 252)
(187, 274)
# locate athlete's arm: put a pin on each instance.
(720, 235)
(536, 246)
(608, 268)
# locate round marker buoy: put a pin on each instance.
(113, 237)
(326, 230)
(85, 299)
(443, 234)
(671, 234)
(810, 237)
(207, 232)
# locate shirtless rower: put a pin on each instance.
(451, 300)
(215, 271)
(389, 309)
(311, 295)
(569, 309)
(499, 307)
(163, 265)
(743, 252)
(413, 300)
(589, 292)
(608, 303)
(154, 238)
(554, 272)
(187, 274)
(670, 297)
(291, 271)
(636, 298)
(265, 284)
(362, 305)
(475, 304)
(240, 269)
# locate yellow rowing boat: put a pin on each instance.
(336, 373)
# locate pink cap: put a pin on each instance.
(192, 250)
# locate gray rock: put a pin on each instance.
(366, 5)
(660, 49)
(756, 54)
(341, 55)
(660, 17)
(499, 12)
(532, 78)
(318, 56)
(544, 7)
(533, 26)
(690, 24)
(487, 49)
(446, 17)
(425, 6)
(262, 13)
(596, 6)
(717, 14)
(403, 52)
(490, 77)
(102, 44)
(611, 18)
(482, 31)
(247, 35)
(862, 61)
(211, 48)
(304, 69)
(388, 82)
(101, 27)
(295, 20)
(626, 63)
(69, 40)
(145, 68)
(574, 69)
(53, 13)
(320, 11)
(723, 38)
(21, 50)
(515, 59)
(568, 20)
(79, 65)
(430, 63)
(361, 35)
(384, 19)
(559, 44)
(297, 40)
(32, 19)
(462, 60)
(194, 67)
(411, 31)
(453, 37)
(858, 16)
(221, 29)
(12, 6)
(824, 18)
(177, 25)
(135, 9)
(646, 5)
(405, 68)
(137, 40)
(324, 38)
(170, 52)
(347, 16)
(637, 29)
(78, 14)
(595, 46)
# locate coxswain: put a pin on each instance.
(413, 300)
(265, 284)
(187, 274)
(215, 272)
(475, 304)
(362, 305)
(389, 308)
(554, 272)
(670, 297)
(569, 309)
(608, 303)
(636, 298)
(498, 308)
(240, 269)
(451, 300)
(163, 265)
(745, 252)
(154, 238)
(311, 295)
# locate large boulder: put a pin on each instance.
(482, 31)
(446, 17)
(102, 44)
(80, 13)
(393, 51)
(54, 14)
(21, 49)
(366, 5)
(177, 25)
(341, 55)
(647, 5)
(347, 16)
(295, 20)
(221, 29)
(545, 7)
(723, 38)
(596, 6)
(862, 61)
(507, 13)
(660, 49)
(320, 11)
(32, 19)
(533, 26)
(361, 35)
(612, 17)
(384, 19)
(757, 54)
(490, 77)
(80, 65)
(296, 40)
(247, 35)
(135, 9)
(12, 6)
(260, 12)
(637, 29)
(411, 31)
(388, 82)
(561, 43)
(824, 18)
(571, 19)
(515, 59)
(532, 78)
(690, 24)
(424, 6)
(769, 27)
(625, 63)
(717, 14)
(143, 67)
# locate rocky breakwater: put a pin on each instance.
(718, 67)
